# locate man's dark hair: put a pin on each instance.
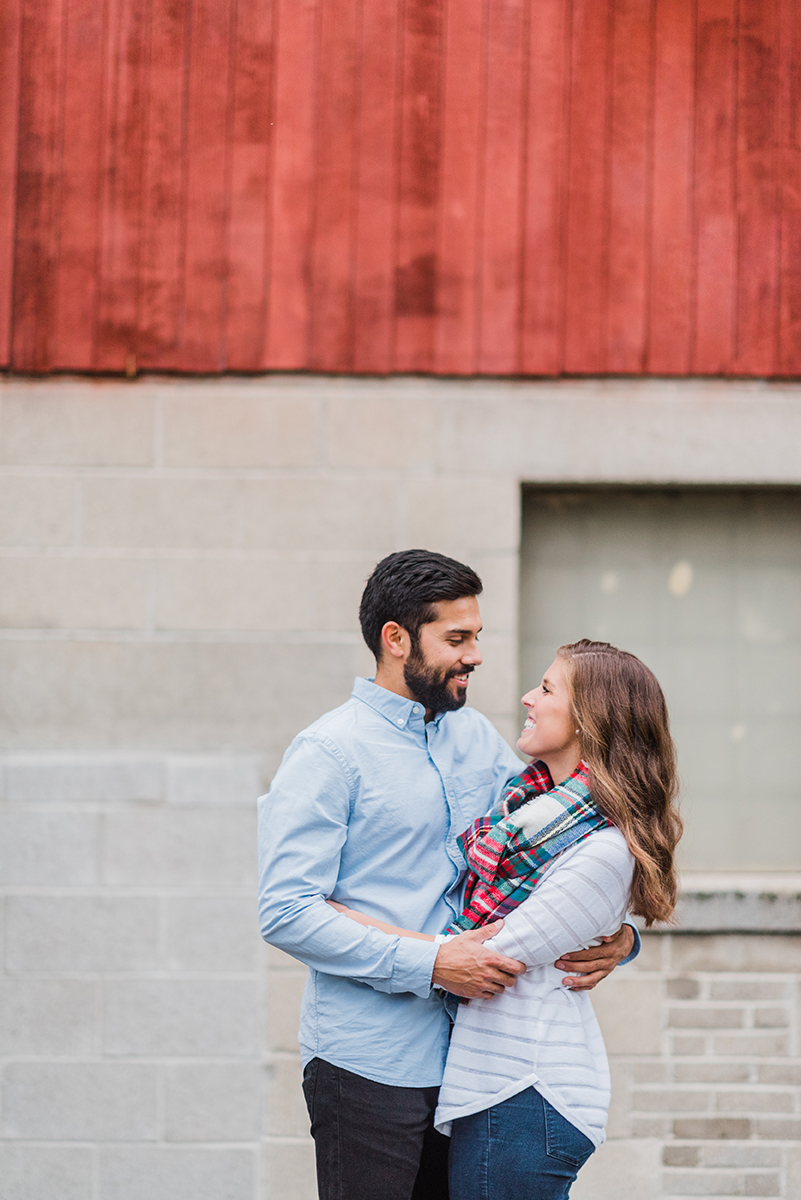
(404, 587)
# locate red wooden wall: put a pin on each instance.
(457, 186)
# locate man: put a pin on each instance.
(366, 809)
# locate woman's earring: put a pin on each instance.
(578, 731)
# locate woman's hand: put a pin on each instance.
(598, 961)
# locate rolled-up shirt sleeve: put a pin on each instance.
(303, 825)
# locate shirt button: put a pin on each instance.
(415, 709)
(400, 720)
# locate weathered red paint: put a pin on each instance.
(521, 187)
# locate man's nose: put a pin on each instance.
(472, 657)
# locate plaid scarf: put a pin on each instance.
(508, 850)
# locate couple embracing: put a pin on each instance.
(455, 907)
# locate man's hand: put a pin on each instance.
(465, 967)
(598, 961)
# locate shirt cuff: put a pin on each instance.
(414, 966)
(637, 947)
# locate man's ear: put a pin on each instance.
(394, 639)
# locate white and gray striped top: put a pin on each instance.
(537, 1033)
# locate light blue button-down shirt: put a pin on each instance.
(366, 808)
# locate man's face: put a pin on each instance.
(438, 669)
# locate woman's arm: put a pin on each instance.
(363, 919)
(578, 900)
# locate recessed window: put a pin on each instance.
(705, 586)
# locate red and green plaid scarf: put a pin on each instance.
(508, 850)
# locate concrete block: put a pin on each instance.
(778, 1128)
(180, 847)
(382, 431)
(779, 1073)
(82, 933)
(681, 1156)
(706, 1183)
(338, 586)
(199, 697)
(356, 516)
(774, 1045)
(707, 1128)
(462, 515)
(37, 511)
(736, 952)
(721, 1154)
(621, 1170)
(47, 1016)
(218, 781)
(71, 778)
(287, 1112)
(213, 1102)
(46, 1172)
(670, 1100)
(651, 953)
(753, 1100)
(290, 1170)
(201, 1017)
(683, 988)
(279, 960)
(629, 1013)
(687, 1046)
(747, 989)
(650, 1127)
(80, 1101)
(771, 1018)
(50, 848)
(72, 593)
(219, 933)
(176, 1173)
(283, 1008)
(229, 427)
(711, 1072)
(233, 594)
(158, 512)
(86, 424)
(697, 1017)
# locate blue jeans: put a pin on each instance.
(521, 1149)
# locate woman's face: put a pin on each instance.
(549, 730)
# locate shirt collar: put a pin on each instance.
(395, 708)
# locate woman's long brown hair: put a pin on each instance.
(622, 722)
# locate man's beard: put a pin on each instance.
(430, 686)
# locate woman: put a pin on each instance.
(526, 1087)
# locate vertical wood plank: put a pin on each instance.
(501, 240)
(672, 268)
(416, 266)
(36, 251)
(10, 22)
(715, 198)
(458, 263)
(542, 321)
(587, 220)
(789, 349)
(163, 222)
(77, 276)
(334, 217)
(125, 115)
(250, 167)
(376, 189)
(208, 183)
(629, 191)
(293, 186)
(758, 208)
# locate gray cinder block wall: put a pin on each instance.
(181, 564)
